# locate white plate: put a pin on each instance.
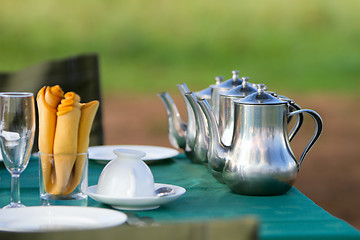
(51, 218)
(153, 153)
(137, 203)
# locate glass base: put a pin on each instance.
(67, 200)
(14, 205)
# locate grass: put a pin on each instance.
(150, 46)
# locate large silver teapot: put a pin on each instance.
(259, 160)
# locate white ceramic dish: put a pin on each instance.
(57, 218)
(153, 153)
(137, 203)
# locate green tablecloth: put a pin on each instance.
(290, 216)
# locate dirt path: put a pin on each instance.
(330, 174)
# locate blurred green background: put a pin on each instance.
(150, 46)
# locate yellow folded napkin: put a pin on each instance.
(48, 99)
(66, 141)
(64, 133)
(88, 112)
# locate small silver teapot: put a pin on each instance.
(259, 160)
(182, 135)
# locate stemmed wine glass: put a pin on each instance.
(17, 128)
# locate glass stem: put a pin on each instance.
(15, 188)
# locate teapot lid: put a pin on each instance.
(232, 82)
(272, 93)
(243, 90)
(261, 97)
(206, 93)
(284, 98)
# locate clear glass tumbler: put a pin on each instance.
(63, 179)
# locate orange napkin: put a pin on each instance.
(69, 134)
(48, 99)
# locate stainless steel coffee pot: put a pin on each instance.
(226, 124)
(259, 160)
(200, 143)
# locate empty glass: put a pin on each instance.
(17, 128)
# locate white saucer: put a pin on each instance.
(55, 218)
(105, 153)
(137, 203)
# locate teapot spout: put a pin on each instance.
(217, 151)
(191, 123)
(177, 127)
(201, 138)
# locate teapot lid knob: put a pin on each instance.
(245, 81)
(235, 74)
(261, 88)
(230, 83)
(219, 79)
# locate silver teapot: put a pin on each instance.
(259, 160)
(182, 135)
(226, 124)
(201, 140)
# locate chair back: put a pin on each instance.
(79, 74)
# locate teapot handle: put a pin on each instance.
(317, 133)
(299, 120)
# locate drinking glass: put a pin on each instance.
(17, 128)
(62, 183)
